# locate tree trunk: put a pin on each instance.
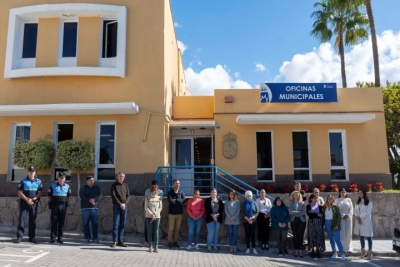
(374, 42)
(342, 62)
(79, 183)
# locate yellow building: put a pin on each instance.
(114, 74)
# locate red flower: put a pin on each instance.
(321, 187)
(334, 188)
(353, 188)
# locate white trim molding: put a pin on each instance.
(69, 109)
(18, 67)
(304, 118)
(193, 124)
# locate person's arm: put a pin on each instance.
(158, 213)
(311, 214)
(114, 194)
(302, 209)
(50, 193)
(257, 211)
(220, 208)
(171, 199)
(146, 206)
(38, 192)
(351, 207)
(181, 199)
(82, 194)
(99, 194)
(128, 195)
(368, 212)
(189, 208)
(287, 216)
(237, 212)
(244, 211)
(226, 209)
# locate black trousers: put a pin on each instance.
(57, 220)
(250, 232)
(298, 228)
(263, 228)
(281, 240)
(25, 210)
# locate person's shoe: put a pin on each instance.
(19, 240)
(170, 245)
(343, 257)
(215, 248)
(175, 244)
(122, 244)
(52, 240)
(209, 249)
(362, 253)
(280, 253)
(87, 240)
(369, 257)
(247, 251)
(300, 255)
(334, 256)
(313, 254)
(32, 240)
(96, 241)
(234, 249)
(196, 247)
(255, 251)
(318, 254)
(156, 250)
(114, 245)
(285, 252)
(150, 250)
(60, 240)
(189, 247)
(266, 247)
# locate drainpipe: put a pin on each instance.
(166, 118)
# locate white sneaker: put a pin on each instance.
(343, 257)
(189, 247)
(247, 251)
(334, 256)
(255, 251)
(196, 247)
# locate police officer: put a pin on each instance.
(58, 195)
(29, 191)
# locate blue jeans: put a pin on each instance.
(194, 230)
(119, 219)
(90, 215)
(212, 235)
(233, 234)
(334, 236)
(362, 241)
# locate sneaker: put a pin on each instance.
(113, 245)
(209, 248)
(150, 250)
(334, 256)
(60, 240)
(189, 247)
(247, 251)
(215, 248)
(19, 240)
(87, 240)
(196, 247)
(343, 257)
(266, 247)
(280, 253)
(170, 245)
(255, 251)
(175, 244)
(122, 244)
(32, 240)
(96, 241)
(156, 249)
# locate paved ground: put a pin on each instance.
(76, 253)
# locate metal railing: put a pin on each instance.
(202, 178)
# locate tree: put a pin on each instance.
(342, 19)
(39, 154)
(374, 42)
(75, 156)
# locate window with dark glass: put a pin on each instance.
(264, 156)
(300, 156)
(338, 169)
(70, 39)
(30, 40)
(110, 30)
(64, 131)
(106, 157)
(22, 134)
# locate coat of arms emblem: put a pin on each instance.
(229, 146)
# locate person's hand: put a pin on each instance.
(266, 216)
(345, 217)
(91, 201)
(319, 215)
(232, 220)
(29, 201)
(122, 206)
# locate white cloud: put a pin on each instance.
(323, 63)
(177, 25)
(204, 82)
(260, 67)
(182, 47)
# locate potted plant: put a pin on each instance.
(271, 187)
(321, 187)
(379, 187)
(334, 188)
(368, 187)
(353, 188)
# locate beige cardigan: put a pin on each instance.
(153, 205)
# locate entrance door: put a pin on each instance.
(191, 155)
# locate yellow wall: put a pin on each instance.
(47, 42)
(193, 107)
(89, 40)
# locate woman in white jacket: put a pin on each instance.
(363, 222)
(346, 225)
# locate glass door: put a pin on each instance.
(182, 159)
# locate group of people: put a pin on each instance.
(335, 216)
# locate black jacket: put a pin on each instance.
(86, 193)
(175, 207)
(209, 211)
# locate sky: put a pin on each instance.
(242, 43)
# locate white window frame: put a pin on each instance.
(97, 149)
(344, 150)
(273, 158)
(309, 157)
(11, 165)
(66, 61)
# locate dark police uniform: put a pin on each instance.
(59, 202)
(30, 189)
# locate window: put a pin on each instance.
(62, 132)
(20, 132)
(110, 29)
(301, 156)
(30, 40)
(105, 151)
(264, 156)
(337, 155)
(69, 39)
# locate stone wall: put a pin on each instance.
(386, 212)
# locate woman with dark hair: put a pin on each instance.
(195, 211)
(315, 231)
(214, 208)
(346, 225)
(279, 220)
(264, 205)
(363, 222)
(152, 208)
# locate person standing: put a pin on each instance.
(320, 200)
(297, 187)
(29, 191)
(153, 207)
(263, 221)
(232, 212)
(120, 198)
(176, 198)
(280, 219)
(297, 211)
(148, 193)
(363, 222)
(90, 194)
(346, 225)
(58, 195)
(214, 208)
(250, 213)
(332, 225)
(315, 231)
(195, 211)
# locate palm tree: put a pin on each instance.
(343, 19)
(374, 42)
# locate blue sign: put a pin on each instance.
(297, 92)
